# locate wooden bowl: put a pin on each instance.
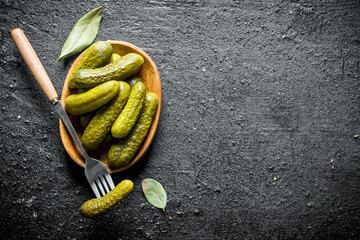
(151, 78)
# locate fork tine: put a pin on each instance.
(100, 186)
(110, 181)
(102, 179)
(94, 188)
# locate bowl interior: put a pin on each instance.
(151, 78)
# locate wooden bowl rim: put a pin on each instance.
(68, 142)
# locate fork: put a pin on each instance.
(95, 171)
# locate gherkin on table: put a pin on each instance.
(96, 206)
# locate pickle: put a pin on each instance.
(97, 206)
(115, 58)
(126, 67)
(122, 152)
(130, 114)
(100, 125)
(78, 104)
(85, 118)
(97, 55)
(131, 81)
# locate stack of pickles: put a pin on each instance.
(112, 102)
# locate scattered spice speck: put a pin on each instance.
(331, 161)
(276, 178)
(356, 136)
(23, 22)
(234, 89)
(291, 13)
(204, 69)
(170, 218)
(333, 167)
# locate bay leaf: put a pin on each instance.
(154, 193)
(83, 33)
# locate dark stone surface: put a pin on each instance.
(255, 141)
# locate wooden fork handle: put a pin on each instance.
(33, 62)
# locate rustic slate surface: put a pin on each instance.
(256, 136)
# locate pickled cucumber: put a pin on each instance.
(115, 57)
(130, 114)
(85, 118)
(126, 67)
(78, 104)
(122, 152)
(131, 81)
(97, 55)
(100, 125)
(97, 206)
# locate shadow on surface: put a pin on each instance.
(78, 174)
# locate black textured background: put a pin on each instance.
(256, 134)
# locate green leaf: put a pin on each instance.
(83, 33)
(154, 193)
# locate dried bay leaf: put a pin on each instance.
(83, 33)
(154, 193)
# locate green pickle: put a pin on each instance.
(100, 125)
(122, 152)
(81, 103)
(97, 206)
(130, 114)
(126, 67)
(85, 118)
(115, 58)
(97, 55)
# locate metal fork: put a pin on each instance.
(95, 171)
